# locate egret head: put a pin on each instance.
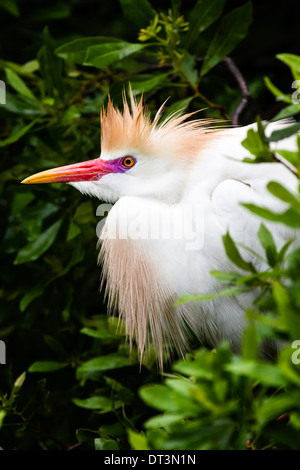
(139, 156)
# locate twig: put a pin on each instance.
(243, 87)
(290, 168)
(74, 446)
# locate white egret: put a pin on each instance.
(188, 179)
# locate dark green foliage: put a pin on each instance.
(70, 379)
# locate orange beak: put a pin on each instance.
(91, 170)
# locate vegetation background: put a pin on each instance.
(69, 381)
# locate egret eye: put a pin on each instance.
(128, 161)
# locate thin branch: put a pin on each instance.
(243, 87)
(74, 446)
(290, 168)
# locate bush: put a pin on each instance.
(69, 380)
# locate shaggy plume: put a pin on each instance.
(140, 296)
(133, 129)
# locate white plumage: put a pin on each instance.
(145, 275)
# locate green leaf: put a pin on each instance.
(164, 420)
(2, 416)
(268, 244)
(25, 69)
(20, 201)
(143, 83)
(139, 12)
(18, 384)
(103, 55)
(234, 255)
(138, 440)
(18, 84)
(34, 250)
(291, 217)
(70, 115)
(272, 407)
(103, 363)
(250, 343)
(292, 60)
(84, 213)
(102, 403)
(100, 334)
(11, 6)
(286, 112)
(159, 397)
(33, 293)
(202, 16)
(47, 366)
(267, 374)
(73, 231)
(199, 368)
(284, 132)
(287, 311)
(286, 360)
(54, 344)
(188, 66)
(17, 135)
(76, 50)
(255, 143)
(233, 28)
(276, 92)
(125, 394)
(29, 67)
(227, 277)
(292, 157)
(201, 297)
(22, 105)
(284, 194)
(283, 250)
(182, 386)
(105, 444)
